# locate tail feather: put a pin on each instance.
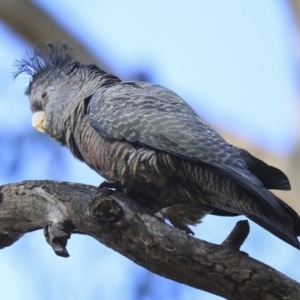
(271, 177)
(286, 227)
(287, 234)
(294, 216)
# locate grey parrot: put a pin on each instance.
(147, 142)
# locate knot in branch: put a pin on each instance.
(107, 210)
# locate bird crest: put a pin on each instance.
(53, 57)
(43, 58)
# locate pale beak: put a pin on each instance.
(38, 121)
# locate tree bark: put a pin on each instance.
(115, 220)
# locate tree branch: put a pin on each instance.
(118, 222)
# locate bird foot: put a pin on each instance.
(109, 185)
(181, 226)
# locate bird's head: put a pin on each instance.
(52, 68)
(58, 85)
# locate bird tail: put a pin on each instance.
(271, 177)
(287, 229)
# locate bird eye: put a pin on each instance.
(44, 94)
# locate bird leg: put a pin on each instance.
(176, 223)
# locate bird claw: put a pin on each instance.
(181, 226)
(109, 185)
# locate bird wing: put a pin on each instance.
(156, 117)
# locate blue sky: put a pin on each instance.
(234, 62)
(231, 60)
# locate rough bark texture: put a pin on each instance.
(111, 218)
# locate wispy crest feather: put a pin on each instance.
(44, 57)
(48, 57)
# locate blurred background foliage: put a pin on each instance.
(194, 48)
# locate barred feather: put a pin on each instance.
(148, 140)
